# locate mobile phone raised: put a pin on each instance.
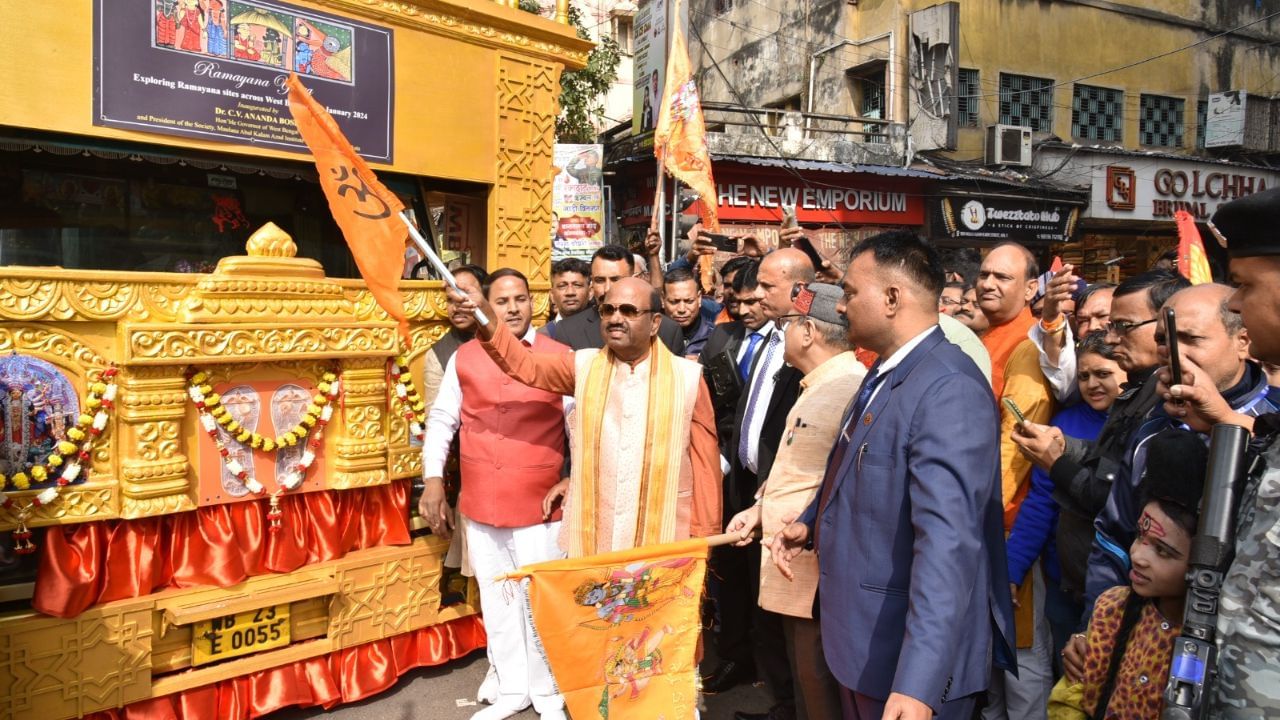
(725, 243)
(1013, 408)
(1171, 341)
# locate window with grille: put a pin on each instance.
(1097, 113)
(1202, 119)
(872, 105)
(1026, 100)
(1161, 122)
(967, 92)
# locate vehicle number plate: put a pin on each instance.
(240, 634)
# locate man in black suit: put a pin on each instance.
(726, 358)
(609, 264)
(748, 635)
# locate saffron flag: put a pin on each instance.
(620, 630)
(680, 137)
(1193, 263)
(365, 210)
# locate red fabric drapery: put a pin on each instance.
(221, 545)
(339, 677)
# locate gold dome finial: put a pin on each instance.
(270, 241)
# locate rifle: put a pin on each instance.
(1193, 671)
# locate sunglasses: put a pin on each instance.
(1121, 327)
(797, 289)
(627, 310)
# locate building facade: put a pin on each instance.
(1039, 98)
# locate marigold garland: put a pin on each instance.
(308, 432)
(412, 406)
(67, 460)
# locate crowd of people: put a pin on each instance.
(959, 486)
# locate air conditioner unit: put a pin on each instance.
(1008, 145)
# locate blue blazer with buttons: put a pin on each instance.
(913, 582)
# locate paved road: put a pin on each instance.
(438, 693)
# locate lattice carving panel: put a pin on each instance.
(385, 595)
(67, 668)
(527, 109)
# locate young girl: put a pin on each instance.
(1133, 628)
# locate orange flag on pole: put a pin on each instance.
(1193, 263)
(620, 630)
(365, 210)
(680, 137)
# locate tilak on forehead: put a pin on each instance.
(1148, 525)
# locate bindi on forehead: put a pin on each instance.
(1149, 526)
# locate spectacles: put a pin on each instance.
(627, 310)
(1122, 327)
(949, 302)
(786, 321)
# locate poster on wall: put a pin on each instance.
(649, 63)
(577, 202)
(215, 70)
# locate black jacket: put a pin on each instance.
(719, 360)
(1082, 477)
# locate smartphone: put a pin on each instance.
(1013, 408)
(805, 246)
(725, 243)
(1171, 341)
(789, 216)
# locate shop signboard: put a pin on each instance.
(994, 219)
(577, 202)
(216, 70)
(1156, 188)
(819, 198)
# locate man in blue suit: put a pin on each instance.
(913, 594)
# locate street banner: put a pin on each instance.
(365, 210)
(216, 70)
(1193, 263)
(620, 630)
(577, 202)
(649, 62)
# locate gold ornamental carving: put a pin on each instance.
(48, 294)
(55, 668)
(527, 110)
(229, 343)
(96, 500)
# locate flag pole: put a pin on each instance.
(659, 203)
(425, 248)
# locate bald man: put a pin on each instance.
(613, 438)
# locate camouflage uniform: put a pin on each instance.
(1249, 616)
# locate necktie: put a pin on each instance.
(744, 365)
(842, 445)
(744, 439)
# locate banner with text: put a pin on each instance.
(215, 70)
(999, 219)
(577, 202)
(822, 199)
(649, 62)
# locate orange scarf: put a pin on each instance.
(1001, 341)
